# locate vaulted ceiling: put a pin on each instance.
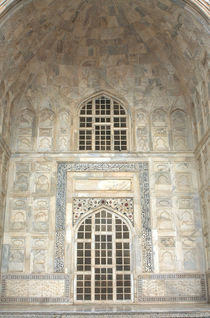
(170, 35)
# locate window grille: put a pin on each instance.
(103, 259)
(103, 126)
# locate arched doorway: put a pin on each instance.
(103, 259)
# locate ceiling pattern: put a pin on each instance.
(168, 35)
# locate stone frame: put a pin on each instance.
(142, 168)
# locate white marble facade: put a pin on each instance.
(30, 235)
(138, 55)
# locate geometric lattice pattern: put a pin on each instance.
(103, 125)
(103, 258)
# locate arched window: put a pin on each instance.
(103, 262)
(103, 125)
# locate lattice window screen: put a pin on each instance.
(103, 259)
(103, 126)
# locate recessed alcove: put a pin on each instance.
(104, 158)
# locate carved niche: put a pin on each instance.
(46, 130)
(160, 131)
(25, 131)
(167, 260)
(42, 183)
(39, 255)
(190, 259)
(179, 130)
(41, 215)
(18, 220)
(142, 130)
(63, 138)
(22, 177)
(165, 221)
(16, 255)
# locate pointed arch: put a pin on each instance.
(103, 258)
(108, 208)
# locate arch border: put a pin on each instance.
(142, 168)
(105, 206)
(199, 6)
(96, 94)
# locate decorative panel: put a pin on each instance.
(140, 168)
(172, 288)
(83, 205)
(35, 288)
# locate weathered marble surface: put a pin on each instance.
(145, 315)
(146, 311)
(203, 165)
(153, 56)
(29, 241)
(140, 52)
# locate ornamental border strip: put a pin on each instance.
(202, 298)
(142, 168)
(57, 300)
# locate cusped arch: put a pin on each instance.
(159, 117)
(46, 118)
(178, 118)
(26, 118)
(142, 117)
(25, 130)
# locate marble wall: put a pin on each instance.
(54, 128)
(45, 132)
(142, 55)
(30, 235)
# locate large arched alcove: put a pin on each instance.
(148, 57)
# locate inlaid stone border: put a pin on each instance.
(142, 168)
(33, 277)
(171, 292)
(208, 285)
(124, 207)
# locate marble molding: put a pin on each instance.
(181, 314)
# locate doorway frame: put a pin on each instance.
(141, 168)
